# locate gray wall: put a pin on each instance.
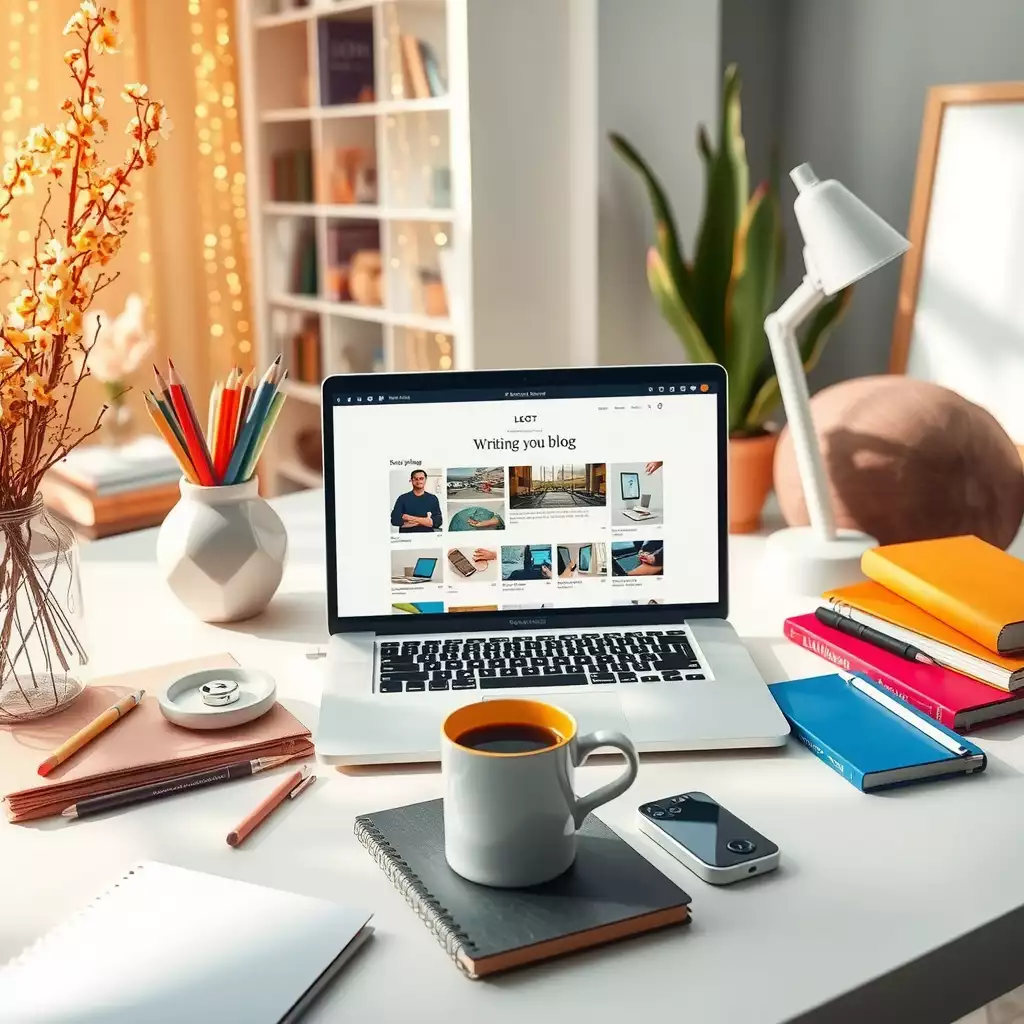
(853, 93)
(658, 77)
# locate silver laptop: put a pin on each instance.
(539, 591)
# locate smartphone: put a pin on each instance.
(711, 841)
(460, 563)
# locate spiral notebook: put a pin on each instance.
(611, 892)
(164, 945)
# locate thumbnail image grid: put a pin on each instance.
(476, 483)
(471, 564)
(415, 502)
(581, 561)
(557, 486)
(638, 493)
(415, 568)
(638, 557)
(465, 517)
(521, 562)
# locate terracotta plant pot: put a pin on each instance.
(750, 479)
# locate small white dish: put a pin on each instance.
(182, 702)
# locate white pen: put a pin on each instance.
(881, 697)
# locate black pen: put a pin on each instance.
(871, 636)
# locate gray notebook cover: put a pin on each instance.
(610, 891)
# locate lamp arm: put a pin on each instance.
(781, 327)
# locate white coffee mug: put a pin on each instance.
(510, 812)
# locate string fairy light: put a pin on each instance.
(224, 235)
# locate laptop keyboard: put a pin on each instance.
(563, 659)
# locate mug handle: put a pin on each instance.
(585, 746)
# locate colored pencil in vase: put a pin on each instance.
(225, 428)
(162, 397)
(195, 441)
(256, 449)
(262, 398)
(163, 424)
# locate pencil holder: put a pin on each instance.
(222, 551)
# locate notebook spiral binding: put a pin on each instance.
(428, 910)
(29, 951)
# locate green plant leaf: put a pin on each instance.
(704, 147)
(674, 310)
(812, 344)
(751, 296)
(725, 200)
(664, 221)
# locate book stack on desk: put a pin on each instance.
(940, 623)
(102, 490)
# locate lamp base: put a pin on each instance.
(800, 562)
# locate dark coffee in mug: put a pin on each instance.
(509, 738)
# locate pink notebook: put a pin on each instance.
(955, 700)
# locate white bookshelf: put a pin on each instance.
(501, 230)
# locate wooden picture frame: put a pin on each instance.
(940, 101)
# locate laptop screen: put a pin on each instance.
(527, 500)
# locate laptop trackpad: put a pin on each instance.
(592, 712)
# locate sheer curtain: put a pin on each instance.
(186, 253)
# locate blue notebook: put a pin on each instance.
(869, 736)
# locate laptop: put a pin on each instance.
(637, 641)
(421, 572)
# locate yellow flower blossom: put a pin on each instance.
(134, 91)
(106, 40)
(25, 304)
(39, 338)
(35, 390)
(16, 339)
(7, 362)
(74, 23)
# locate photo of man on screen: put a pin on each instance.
(417, 511)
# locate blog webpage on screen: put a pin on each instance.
(524, 504)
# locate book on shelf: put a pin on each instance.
(346, 61)
(102, 515)
(291, 176)
(104, 469)
(955, 700)
(305, 354)
(422, 69)
(304, 278)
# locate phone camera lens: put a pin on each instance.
(740, 846)
(657, 812)
(675, 810)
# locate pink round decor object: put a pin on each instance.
(908, 460)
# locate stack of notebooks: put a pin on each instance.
(103, 490)
(958, 601)
(142, 748)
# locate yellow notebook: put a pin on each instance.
(972, 586)
(873, 605)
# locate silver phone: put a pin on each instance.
(711, 841)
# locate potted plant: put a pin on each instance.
(718, 301)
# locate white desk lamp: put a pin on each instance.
(843, 241)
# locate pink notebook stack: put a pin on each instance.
(955, 700)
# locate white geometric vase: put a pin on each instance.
(222, 551)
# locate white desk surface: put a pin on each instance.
(871, 892)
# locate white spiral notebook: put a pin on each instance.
(164, 945)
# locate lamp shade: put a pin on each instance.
(844, 239)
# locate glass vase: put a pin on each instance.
(41, 650)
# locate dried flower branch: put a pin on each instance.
(44, 348)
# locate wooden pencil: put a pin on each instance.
(213, 414)
(224, 427)
(196, 443)
(244, 398)
(89, 732)
(163, 425)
